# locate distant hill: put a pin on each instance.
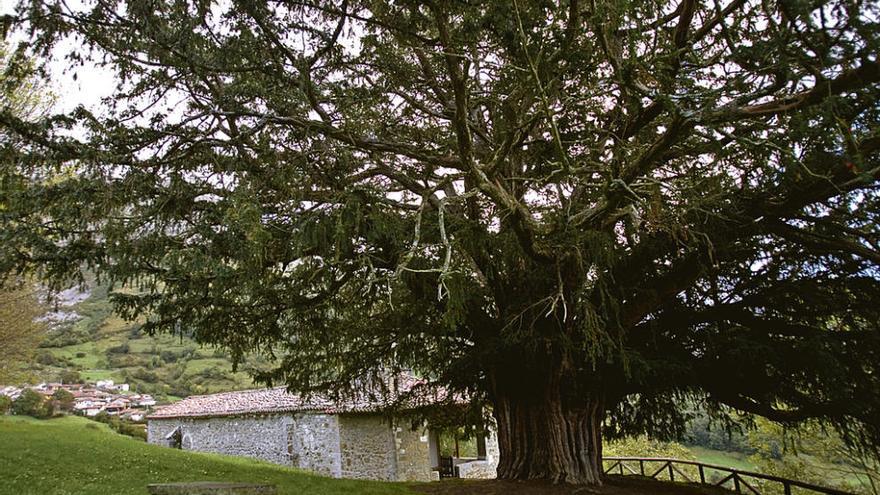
(85, 337)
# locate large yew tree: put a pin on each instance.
(591, 216)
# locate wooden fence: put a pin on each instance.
(736, 479)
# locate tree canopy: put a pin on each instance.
(20, 332)
(20, 302)
(584, 214)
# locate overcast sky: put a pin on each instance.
(92, 83)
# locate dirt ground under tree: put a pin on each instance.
(614, 485)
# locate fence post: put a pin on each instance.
(738, 479)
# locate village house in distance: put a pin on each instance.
(104, 396)
(350, 439)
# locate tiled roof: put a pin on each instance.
(278, 400)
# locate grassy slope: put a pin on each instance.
(734, 460)
(196, 370)
(76, 456)
(836, 476)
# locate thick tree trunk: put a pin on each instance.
(543, 437)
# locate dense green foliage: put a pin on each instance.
(642, 446)
(123, 427)
(20, 332)
(31, 403)
(78, 456)
(62, 400)
(704, 432)
(811, 453)
(71, 376)
(582, 214)
(24, 97)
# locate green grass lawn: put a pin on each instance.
(92, 376)
(88, 350)
(74, 455)
(734, 460)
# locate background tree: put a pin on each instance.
(62, 400)
(22, 93)
(583, 214)
(32, 403)
(70, 376)
(705, 431)
(20, 333)
(811, 453)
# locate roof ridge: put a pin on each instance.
(269, 400)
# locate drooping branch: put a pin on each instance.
(865, 75)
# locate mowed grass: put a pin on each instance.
(73, 455)
(734, 460)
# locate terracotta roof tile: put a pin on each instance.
(278, 400)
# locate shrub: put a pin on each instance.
(134, 430)
(177, 371)
(642, 446)
(189, 352)
(182, 388)
(46, 358)
(702, 431)
(122, 348)
(211, 373)
(63, 400)
(31, 403)
(150, 388)
(144, 375)
(168, 356)
(67, 335)
(80, 355)
(123, 361)
(5, 404)
(70, 376)
(467, 447)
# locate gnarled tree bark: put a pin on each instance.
(543, 434)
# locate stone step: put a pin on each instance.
(211, 488)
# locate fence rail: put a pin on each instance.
(736, 478)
